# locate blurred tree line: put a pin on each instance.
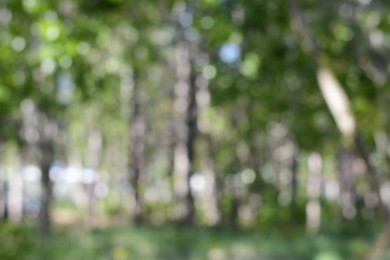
(211, 112)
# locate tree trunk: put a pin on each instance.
(15, 194)
(294, 173)
(137, 149)
(3, 189)
(47, 130)
(94, 159)
(314, 182)
(191, 120)
(186, 111)
(45, 222)
(233, 212)
(4, 200)
(212, 199)
(347, 194)
(171, 160)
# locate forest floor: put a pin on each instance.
(172, 242)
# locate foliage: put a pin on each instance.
(17, 241)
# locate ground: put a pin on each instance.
(171, 242)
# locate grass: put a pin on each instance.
(169, 242)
